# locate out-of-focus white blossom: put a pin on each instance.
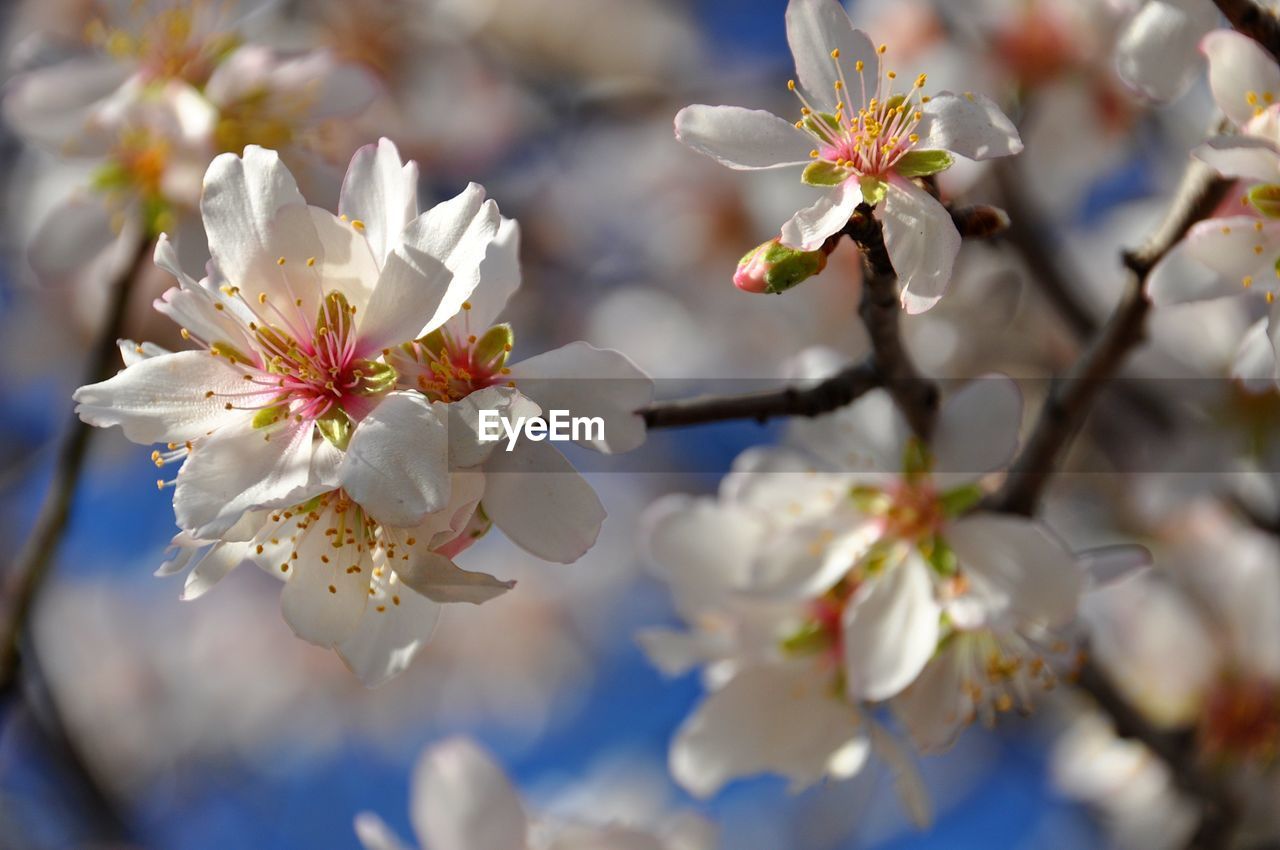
(863, 137)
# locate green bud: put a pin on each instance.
(1265, 199)
(923, 163)
(491, 350)
(775, 268)
(822, 172)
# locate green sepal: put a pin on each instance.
(434, 341)
(940, 556)
(334, 315)
(873, 189)
(869, 500)
(961, 499)
(916, 459)
(492, 348)
(923, 163)
(336, 427)
(822, 123)
(376, 378)
(1265, 199)
(810, 639)
(822, 172)
(229, 351)
(270, 415)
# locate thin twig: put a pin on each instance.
(31, 566)
(825, 396)
(1071, 399)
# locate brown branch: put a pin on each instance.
(1254, 21)
(825, 396)
(1071, 399)
(881, 308)
(29, 569)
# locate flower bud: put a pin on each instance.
(774, 268)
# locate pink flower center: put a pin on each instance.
(872, 137)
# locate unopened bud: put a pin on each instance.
(774, 268)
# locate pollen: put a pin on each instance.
(280, 262)
(357, 224)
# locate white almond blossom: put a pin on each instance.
(314, 421)
(862, 136)
(460, 799)
(152, 96)
(1156, 52)
(853, 572)
(1242, 247)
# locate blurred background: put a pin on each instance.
(206, 724)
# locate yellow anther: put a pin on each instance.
(357, 224)
(835, 54)
(882, 48)
(280, 262)
(262, 298)
(1251, 98)
(921, 80)
(791, 85)
(859, 65)
(1247, 281)
(466, 305)
(1271, 297)
(311, 261)
(893, 75)
(813, 154)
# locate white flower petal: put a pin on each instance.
(810, 227)
(242, 206)
(72, 235)
(970, 125)
(324, 599)
(541, 502)
(53, 105)
(592, 382)
(382, 192)
(441, 580)
(1238, 66)
(345, 262)
(922, 242)
(213, 565)
(868, 436)
(164, 399)
(932, 709)
(770, 718)
(977, 429)
(1018, 558)
(386, 641)
(1156, 53)
(1229, 247)
(458, 233)
(238, 468)
(1178, 279)
(466, 449)
(814, 29)
(403, 302)
(1255, 361)
(701, 546)
(461, 800)
(499, 279)
(374, 833)
(744, 139)
(1241, 156)
(890, 630)
(396, 465)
